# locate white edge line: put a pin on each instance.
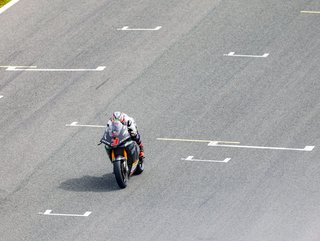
(1, 96)
(126, 28)
(306, 148)
(309, 148)
(189, 158)
(8, 5)
(227, 160)
(100, 68)
(34, 68)
(14, 68)
(75, 124)
(316, 12)
(86, 214)
(123, 28)
(48, 212)
(191, 140)
(231, 54)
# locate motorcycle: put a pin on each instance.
(123, 152)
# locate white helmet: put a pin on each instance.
(117, 115)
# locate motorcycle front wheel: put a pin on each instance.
(121, 172)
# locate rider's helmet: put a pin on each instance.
(117, 115)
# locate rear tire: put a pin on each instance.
(121, 173)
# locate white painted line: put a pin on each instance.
(191, 140)
(15, 66)
(307, 148)
(8, 5)
(1, 96)
(190, 158)
(100, 68)
(316, 12)
(126, 28)
(34, 68)
(77, 125)
(232, 54)
(49, 212)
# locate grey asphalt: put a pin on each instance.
(176, 83)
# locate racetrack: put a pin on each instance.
(178, 82)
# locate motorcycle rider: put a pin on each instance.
(132, 128)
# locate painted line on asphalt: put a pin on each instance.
(1, 96)
(17, 66)
(126, 28)
(8, 5)
(34, 68)
(49, 213)
(306, 148)
(190, 158)
(191, 140)
(315, 12)
(75, 124)
(232, 54)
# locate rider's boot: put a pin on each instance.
(141, 154)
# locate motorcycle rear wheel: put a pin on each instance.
(121, 173)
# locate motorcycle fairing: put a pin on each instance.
(134, 166)
(116, 135)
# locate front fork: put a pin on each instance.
(125, 155)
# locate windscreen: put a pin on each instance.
(115, 128)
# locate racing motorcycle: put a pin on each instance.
(123, 152)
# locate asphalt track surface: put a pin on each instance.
(177, 83)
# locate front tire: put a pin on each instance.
(121, 173)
